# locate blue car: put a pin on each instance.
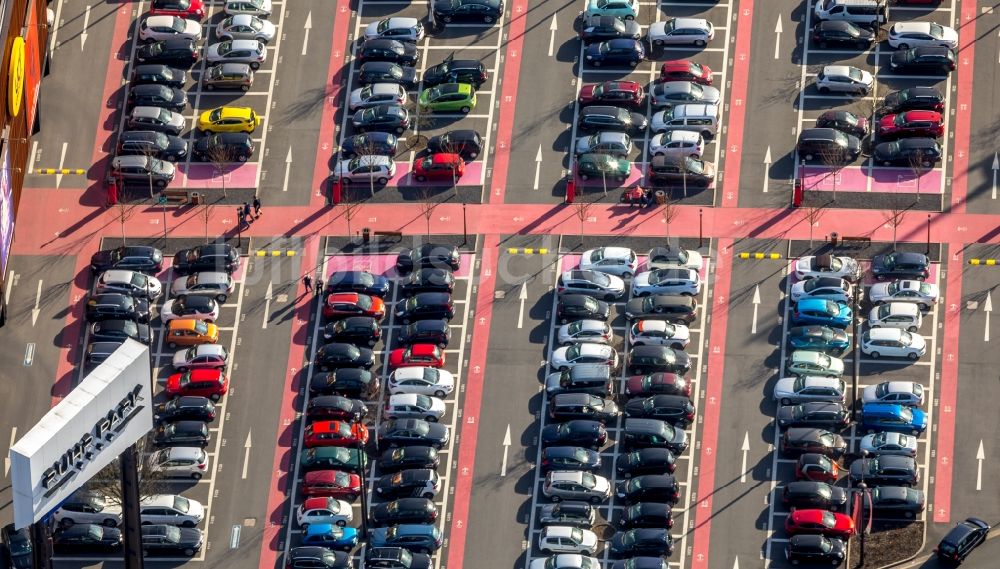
(377, 143)
(329, 535)
(894, 418)
(626, 9)
(822, 338)
(419, 538)
(822, 312)
(358, 281)
(613, 52)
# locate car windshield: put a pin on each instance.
(849, 118)
(842, 141)
(603, 47)
(364, 302)
(900, 120)
(884, 311)
(599, 90)
(200, 327)
(854, 73)
(342, 479)
(215, 115)
(906, 337)
(383, 26)
(588, 480)
(697, 69)
(182, 504)
(164, 116)
(824, 463)
(576, 535)
(590, 305)
(906, 414)
(694, 166)
(829, 520)
(574, 328)
(172, 534)
(800, 383)
(256, 24)
(580, 455)
(138, 280)
(832, 307)
(573, 352)
(926, 289)
(423, 401)
(936, 31)
(225, 47)
(177, 25)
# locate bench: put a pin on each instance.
(396, 234)
(859, 242)
(176, 196)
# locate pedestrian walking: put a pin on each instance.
(246, 212)
(319, 287)
(256, 207)
(308, 283)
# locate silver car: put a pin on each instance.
(924, 295)
(156, 118)
(685, 282)
(801, 389)
(679, 143)
(260, 8)
(132, 283)
(365, 169)
(670, 93)
(245, 27)
(139, 169)
(844, 79)
(566, 561)
(585, 331)
(251, 52)
(217, 285)
(618, 261)
(681, 31)
(592, 283)
(889, 443)
(614, 143)
(84, 507)
(576, 485)
(179, 462)
(396, 28)
(377, 94)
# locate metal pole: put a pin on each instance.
(239, 226)
(928, 234)
(131, 532)
(163, 204)
(857, 353)
(363, 473)
(861, 519)
(41, 544)
(465, 226)
(701, 232)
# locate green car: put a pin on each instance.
(603, 166)
(448, 97)
(333, 458)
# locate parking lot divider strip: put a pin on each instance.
(963, 115)
(948, 387)
(737, 104)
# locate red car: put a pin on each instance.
(211, 383)
(423, 355)
(657, 384)
(685, 70)
(344, 304)
(912, 123)
(193, 9)
(618, 93)
(816, 467)
(823, 522)
(444, 166)
(332, 484)
(336, 434)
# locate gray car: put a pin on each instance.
(613, 143)
(228, 76)
(245, 27)
(143, 169)
(592, 283)
(251, 52)
(670, 93)
(589, 331)
(217, 285)
(576, 485)
(156, 119)
(377, 94)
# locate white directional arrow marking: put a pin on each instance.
(86, 24)
(756, 305)
(987, 308)
(777, 39)
(288, 170)
(506, 447)
(267, 303)
(552, 35)
(736, 563)
(246, 455)
(38, 299)
(522, 297)
(767, 165)
(746, 449)
(996, 166)
(62, 162)
(308, 26)
(980, 457)
(538, 167)
(6, 459)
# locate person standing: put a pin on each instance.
(246, 213)
(256, 207)
(308, 283)
(319, 287)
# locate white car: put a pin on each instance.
(422, 380)
(827, 266)
(673, 258)
(196, 307)
(179, 462)
(251, 52)
(377, 94)
(84, 507)
(903, 315)
(828, 288)
(618, 261)
(322, 510)
(659, 333)
(893, 343)
(213, 284)
(685, 282)
(585, 331)
(681, 31)
(245, 27)
(909, 393)
(844, 79)
(201, 356)
(260, 8)
(889, 443)
(677, 143)
(904, 35)
(171, 509)
(396, 28)
(918, 292)
(365, 168)
(571, 356)
(567, 539)
(670, 93)
(613, 143)
(414, 406)
(565, 561)
(802, 389)
(157, 28)
(132, 283)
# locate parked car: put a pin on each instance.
(469, 71)
(822, 522)
(203, 356)
(397, 28)
(896, 501)
(84, 507)
(467, 143)
(659, 333)
(182, 434)
(323, 510)
(573, 307)
(217, 285)
(648, 488)
(87, 538)
(419, 538)
(179, 462)
(404, 511)
(428, 255)
(828, 33)
(435, 332)
(958, 543)
(877, 417)
(577, 354)
(844, 79)
(486, 11)
(585, 331)
(600, 28)
(567, 539)
(817, 311)
(681, 31)
(228, 75)
(889, 443)
(822, 338)
(190, 307)
(422, 483)
(642, 541)
(822, 414)
(388, 72)
(923, 60)
(888, 470)
(339, 355)
(813, 266)
(188, 407)
(807, 494)
(250, 52)
(909, 393)
(163, 27)
(647, 515)
(801, 389)
(684, 70)
(119, 330)
(171, 541)
(245, 27)
(913, 98)
(923, 295)
(893, 343)
(409, 457)
(156, 119)
(349, 460)
(817, 467)
(901, 264)
(683, 282)
(844, 121)
(181, 51)
(116, 306)
(651, 460)
(407, 432)
(827, 288)
(152, 143)
(811, 548)
(569, 458)
(627, 94)
(615, 52)
(568, 513)
(813, 363)
(234, 146)
(576, 485)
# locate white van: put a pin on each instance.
(871, 13)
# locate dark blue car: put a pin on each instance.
(821, 338)
(377, 143)
(358, 281)
(616, 51)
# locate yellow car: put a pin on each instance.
(228, 119)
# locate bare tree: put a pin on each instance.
(107, 481)
(123, 212)
(582, 210)
(919, 164)
(350, 211)
(150, 155)
(813, 215)
(368, 154)
(427, 207)
(221, 156)
(834, 159)
(669, 211)
(206, 216)
(894, 217)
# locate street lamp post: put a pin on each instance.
(854, 346)
(701, 227)
(465, 226)
(239, 226)
(928, 234)
(363, 472)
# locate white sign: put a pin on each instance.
(106, 413)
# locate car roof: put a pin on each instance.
(147, 112)
(402, 22)
(922, 91)
(209, 349)
(159, 500)
(921, 115)
(130, 161)
(813, 304)
(885, 334)
(903, 27)
(836, 70)
(190, 453)
(804, 433)
(700, 23)
(908, 257)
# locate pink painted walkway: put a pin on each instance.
(204, 176)
(883, 180)
(384, 265)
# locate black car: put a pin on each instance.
(359, 281)
(404, 511)
(641, 562)
(152, 143)
(614, 52)
(395, 558)
(674, 309)
(573, 307)
(119, 330)
(112, 306)
(888, 470)
(336, 408)
(382, 118)
(315, 557)
(798, 440)
(828, 33)
(600, 28)
(844, 121)
(170, 541)
(369, 143)
(182, 434)
(646, 433)
(810, 548)
(919, 152)
(233, 146)
(652, 460)
(652, 359)
(469, 71)
(570, 458)
(901, 265)
(158, 96)
(680, 171)
(896, 501)
(386, 72)
(425, 332)
(426, 305)
(404, 458)
(809, 494)
(357, 330)
(415, 482)
(219, 257)
(394, 51)
(647, 515)
(649, 488)
(923, 60)
(466, 143)
(589, 434)
(18, 545)
(567, 513)
(180, 51)
(958, 543)
(185, 407)
(339, 355)
(87, 538)
(428, 255)
(428, 280)
(675, 409)
(913, 99)
(822, 414)
(642, 541)
(487, 11)
(97, 352)
(406, 432)
(134, 257)
(567, 406)
(605, 118)
(349, 382)
(158, 74)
